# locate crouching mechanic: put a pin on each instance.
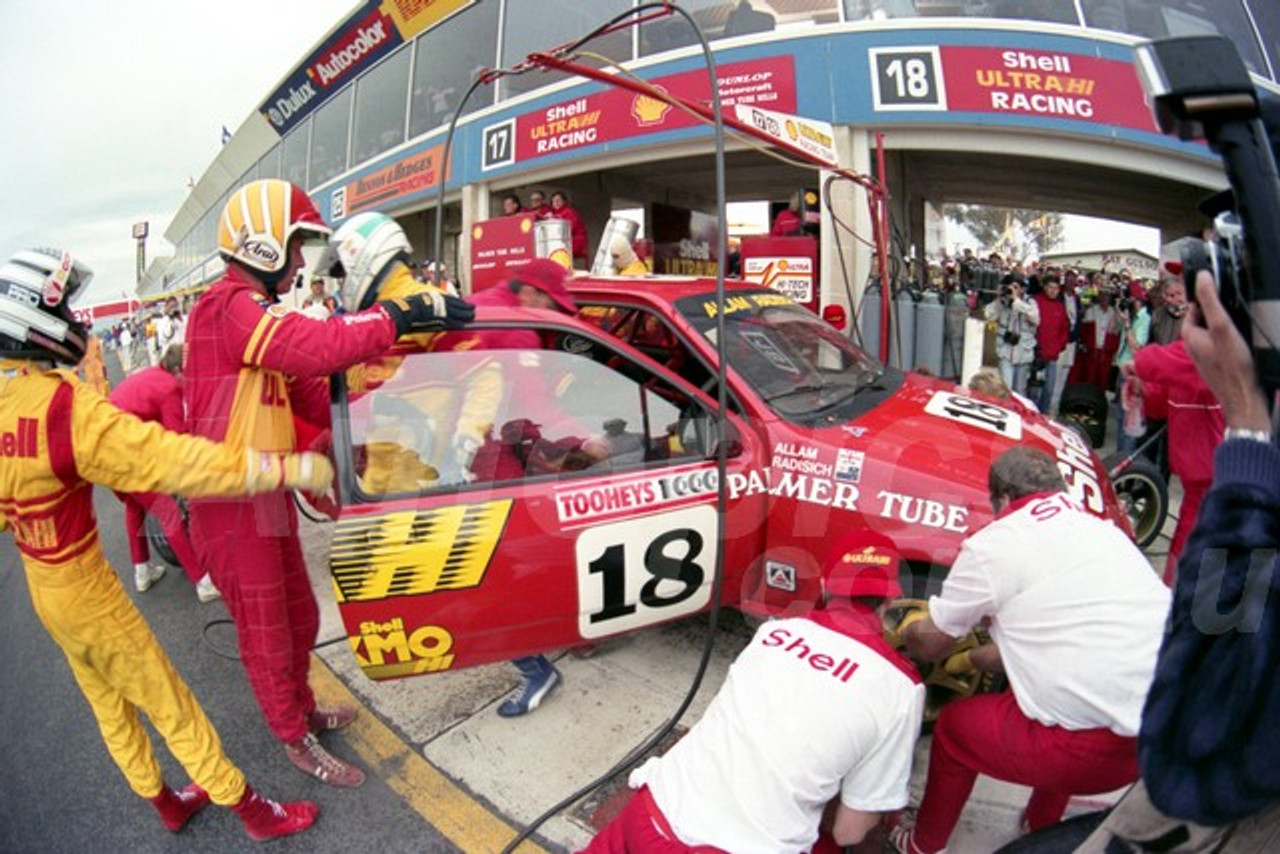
(1076, 616)
(250, 366)
(814, 727)
(60, 437)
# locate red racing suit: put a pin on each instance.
(57, 438)
(1173, 389)
(249, 366)
(154, 394)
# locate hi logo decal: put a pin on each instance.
(415, 552)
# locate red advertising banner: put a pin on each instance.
(497, 246)
(619, 114)
(1052, 85)
(1044, 84)
(414, 173)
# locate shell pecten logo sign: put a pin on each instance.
(648, 110)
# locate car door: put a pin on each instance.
(586, 509)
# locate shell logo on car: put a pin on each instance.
(387, 650)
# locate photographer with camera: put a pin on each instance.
(1017, 318)
(1220, 792)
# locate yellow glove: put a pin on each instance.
(912, 615)
(269, 472)
(960, 663)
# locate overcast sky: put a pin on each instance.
(108, 108)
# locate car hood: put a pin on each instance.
(915, 466)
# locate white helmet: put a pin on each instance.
(360, 253)
(36, 289)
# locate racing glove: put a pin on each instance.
(911, 615)
(427, 312)
(268, 472)
(960, 663)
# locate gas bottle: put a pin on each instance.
(869, 319)
(957, 309)
(930, 332)
(902, 331)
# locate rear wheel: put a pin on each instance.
(1143, 493)
(1086, 405)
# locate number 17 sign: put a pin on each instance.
(907, 78)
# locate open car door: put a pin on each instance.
(586, 509)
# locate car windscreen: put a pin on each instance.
(795, 361)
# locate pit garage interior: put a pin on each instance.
(1005, 169)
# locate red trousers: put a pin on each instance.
(169, 515)
(641, 828)
(1192, 495)
(988, 734)
(251, 550)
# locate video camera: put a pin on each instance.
(1202, 90)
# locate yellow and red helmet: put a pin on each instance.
(259, 219)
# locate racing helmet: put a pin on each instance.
(258, 221)
(360, 253)
(36, 289)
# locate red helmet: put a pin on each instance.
(259, 219)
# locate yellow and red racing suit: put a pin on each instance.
(250, 365)
(455, 407)
(57, 438)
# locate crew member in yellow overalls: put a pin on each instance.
(57, 438)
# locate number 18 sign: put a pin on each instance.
(907, 78)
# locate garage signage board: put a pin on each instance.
(1039, 83)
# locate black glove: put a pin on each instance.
(427, 312)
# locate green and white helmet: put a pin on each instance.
(360, 253)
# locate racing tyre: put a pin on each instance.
(1143, 493)
(1086, 405)
(158, 542)
(1061, 837)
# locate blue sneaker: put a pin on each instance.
(540, 677)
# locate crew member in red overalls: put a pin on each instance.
(250, 366)
(155, 394)
(1171, 388)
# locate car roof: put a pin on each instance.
(652, 289)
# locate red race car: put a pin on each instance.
(496, 503)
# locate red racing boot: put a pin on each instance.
(265, 819)
(176, 808)
(331, 718)
(310, 757)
